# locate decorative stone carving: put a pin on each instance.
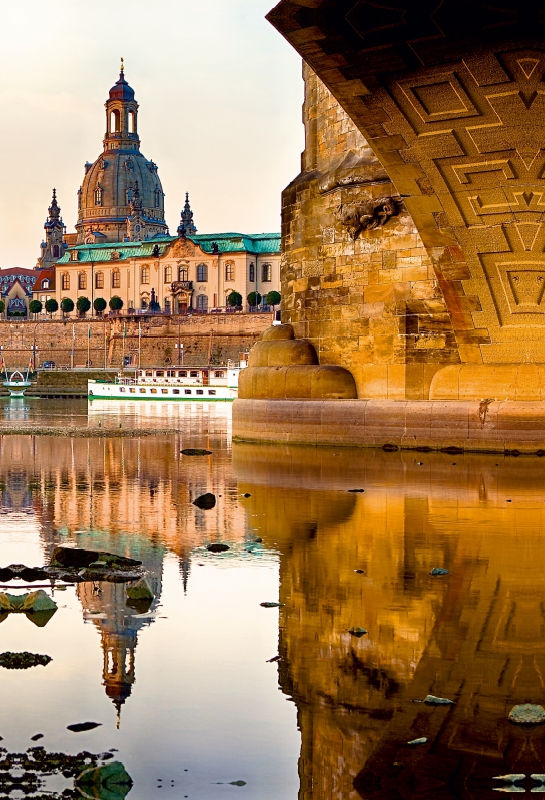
(358, 217)
(182, 248)
(115, 255)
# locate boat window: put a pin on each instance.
(171, 373)
(159, 373)
(194, 374)
(164, 391)
(175, 391)
(188, 391)
(200, 391)
(149, 374)
(219, 374)
(121, 388)
(153, 391)
(132, 390)
(211, 391)
(142, 391)
(182, 374)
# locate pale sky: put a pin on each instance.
(220, 94)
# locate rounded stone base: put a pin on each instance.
(514, 427)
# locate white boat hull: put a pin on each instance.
(97, 390)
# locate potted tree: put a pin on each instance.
(116, 303)
(35, 307)
(234, 300)
(67, 306)
(83, 305)
(254, 299)
(273, 298)
(51, 306)
(100, 305)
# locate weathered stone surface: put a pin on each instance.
(527, 714)
(78, 557)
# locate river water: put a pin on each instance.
(186, 694)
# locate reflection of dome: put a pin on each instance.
(120, 173)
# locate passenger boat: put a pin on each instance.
(197, 384)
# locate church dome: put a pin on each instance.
(121, 89)
(122, 182)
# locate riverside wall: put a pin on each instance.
(74, 342)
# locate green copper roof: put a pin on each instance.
(227, 243)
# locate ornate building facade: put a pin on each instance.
(175, 272)
(121, 196)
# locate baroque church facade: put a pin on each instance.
(122, 244)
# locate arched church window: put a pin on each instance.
(183, 274)
(98, 196)
(144, 275)
(202, 273)
(202, 302)
(82, 280)
(168, 275)
(99, 280)
(116, 279)
(132, 122)
(65, 280)
(115, 120)
(56, 252)
(230, 271)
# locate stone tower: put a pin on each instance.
(187, 224)
(120, 175)
(53, 247)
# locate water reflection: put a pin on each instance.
(475, 636)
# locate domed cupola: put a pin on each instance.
(109, 185)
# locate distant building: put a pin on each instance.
(122, 245)
(180, 274)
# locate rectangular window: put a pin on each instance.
(149, 374)
(187, 391)
(200, 391)
(230, 271)
(182, 374)
(194, 374)
(65, 281)
(82, 280)
(132, 390)
(116, 279)
(142, 391)
(99, 280)
(202, 273)
(159, 373)
(153, 391)
(164, 391)
(122, 389)
(211, 391)
(168, 275)
(251, 273)
(145, 275)
(266, 273)
(175, 391)
(219, 375)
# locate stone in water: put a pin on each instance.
(217, 547)
(196, 451)
(422, 740)
(439, 571)
(271, 605)
(527, 714)
(511, 778)
(205, 501)
(431, 700)
(357, 632)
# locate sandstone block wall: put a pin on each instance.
(372, 305)
(227, 336)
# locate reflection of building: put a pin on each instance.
(475, 636)
(127, 496)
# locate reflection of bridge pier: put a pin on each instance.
(474, 636)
